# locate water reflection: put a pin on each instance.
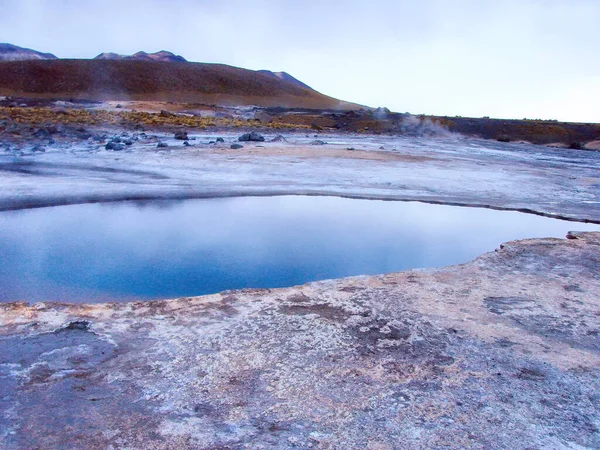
(109, 252)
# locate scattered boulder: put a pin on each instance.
(181, 136)
(236, 146)
(575, 146)
(186, 143)
(253, 136)
(119, 106)
(38, 149)
(84, 135)
(318, 142)
(42, 133)
(115, 146)
(164, 113)
(220, 139)
(279, 138)
(162, 145)
(503, 138)
(127, 142)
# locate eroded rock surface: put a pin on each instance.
(502, 352)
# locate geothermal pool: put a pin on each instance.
(128, 251)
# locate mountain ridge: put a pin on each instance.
(10, 52)
(162, 55)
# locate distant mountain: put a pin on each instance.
(9, 52)
(285, 77)
(163, 56)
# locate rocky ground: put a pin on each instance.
(502, 352)
(46, 164)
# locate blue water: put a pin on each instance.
(125, 251)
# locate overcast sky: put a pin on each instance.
(502, 58)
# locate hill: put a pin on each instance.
(9, 52)
(126, 79)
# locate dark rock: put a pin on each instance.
(220, 139)
(186, 143)
(127, 142)
(503, 138)
(164, 113)
(318, 142)
(315, 126)
(576, 145)
(119, 106)
(81, 325)
(181, 135)
(116, 140)
(41, 133)
(115, 146)
(38, 149)
(236, 146)
(253, 136)
(162, 145)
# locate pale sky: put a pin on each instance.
(502, 58)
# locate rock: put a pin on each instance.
(503, 138)
(253, 136)
(38, 149)
(315, 126)
(119, 106)
(116, 140)
(236, 146)
(162, 145)
(115, 146)
(41, 133)
(220, 139)
(575, 146)
(164, 113)
(186, 143)
(127, 142)
(181, 135)
(279, 138)
(318, 142)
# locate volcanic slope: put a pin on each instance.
(180, 82)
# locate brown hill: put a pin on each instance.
(106, 79)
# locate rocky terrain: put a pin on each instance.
(184, 155)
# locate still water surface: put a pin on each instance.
(124, 251)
